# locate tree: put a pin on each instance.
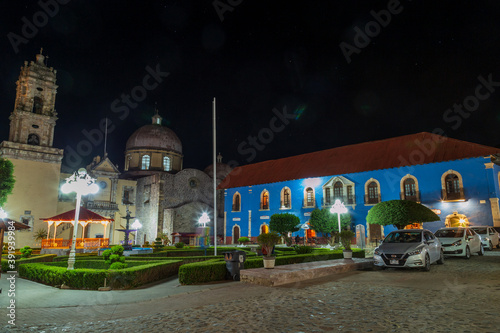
(283, 224)
(327, 223)
(6, 179)
(400, 213)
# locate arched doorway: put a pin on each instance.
(456, 220)
(236, 234)
(264, 229)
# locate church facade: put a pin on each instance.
(154, 187)
(456, 179)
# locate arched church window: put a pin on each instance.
(33, 139)
(166, 163)
(338, 191)
(146, 160)
(264, 200)
(38, 105)
(236, 202)
(309, 200)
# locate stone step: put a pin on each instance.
(285, 274)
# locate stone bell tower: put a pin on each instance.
(37, 164)
(34, 117)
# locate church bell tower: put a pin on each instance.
(34, 117)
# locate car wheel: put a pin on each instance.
(427, 265)
(467, 253)
(490, 246)
(441, 258)
(481, 251)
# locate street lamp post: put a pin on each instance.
(204, 220)
(82, 184)
(339, 208)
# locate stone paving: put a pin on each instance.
(459, 296)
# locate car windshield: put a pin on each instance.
(453, 233)
(481, 231)
(404, 237)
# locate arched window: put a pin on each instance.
(145, 162)
(264, 228)
(264, 200)
(236, 202)
(409, 188)
(372, 192)
(338, 191)
(166, 163)
(452, 185)
(309, 200)
(286, 201)
(38, 105)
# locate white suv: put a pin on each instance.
(489, 236)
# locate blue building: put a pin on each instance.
(459, 180)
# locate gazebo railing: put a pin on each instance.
(80, 243)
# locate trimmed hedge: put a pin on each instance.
(215, 270)
(32, 259)
(191, 252)
(96, 264)
(78, 256)
(94, 278)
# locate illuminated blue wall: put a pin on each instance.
(479, 182)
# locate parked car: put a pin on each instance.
(412, 248)
(460, 242)
(489, 236)
(497, 229)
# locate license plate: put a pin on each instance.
(394, 262)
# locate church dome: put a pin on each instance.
(154, 136)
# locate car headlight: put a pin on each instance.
(457, 243)
(377, 252)
(486, 238)
(415, 252)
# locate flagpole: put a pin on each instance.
(215, 175)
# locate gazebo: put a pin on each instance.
(86, 217)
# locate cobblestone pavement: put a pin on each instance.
(459, 296)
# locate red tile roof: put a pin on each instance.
(414, 149)
(85, 216)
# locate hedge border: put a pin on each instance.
(94, 278)
(211, 270)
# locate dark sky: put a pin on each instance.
(263, 55)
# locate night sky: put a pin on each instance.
(422, 59)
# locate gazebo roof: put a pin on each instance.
(85, 216)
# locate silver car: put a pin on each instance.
(458, 241)
(489, 236)
(413, 248)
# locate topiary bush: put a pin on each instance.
(243, 240)
(26, 252)
(179, 245)
(115, 254)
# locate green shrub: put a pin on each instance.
(114, 255)
(346, 238)
(79, 256)
(268, 241)
(179, 245)
(242, 240)
(118, 265)
(303, 249)
(144, 272)
(26, 252)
